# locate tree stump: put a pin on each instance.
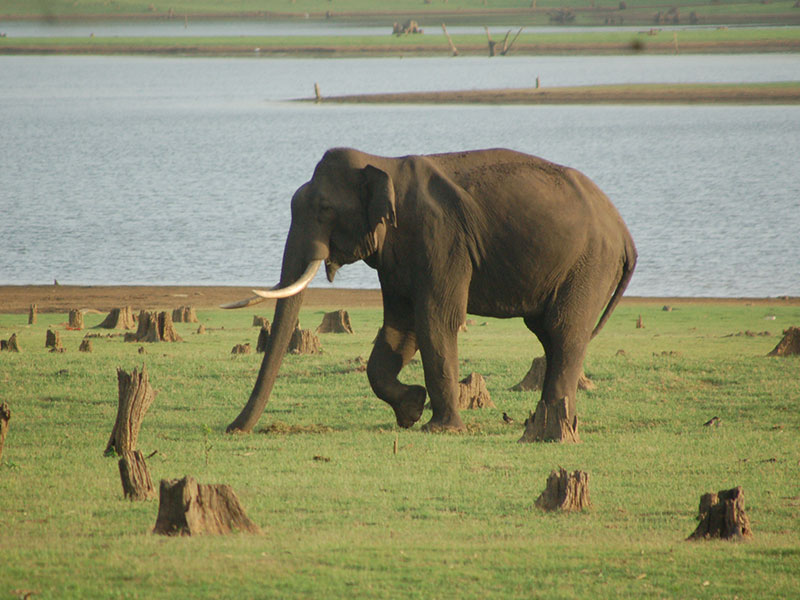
(32, 313)
(639, 323)
(135, 397)
(555, 422)
(534, 378)
(337, 321)
(186, 507)
(119, 318)
(136, 481)
(789, 345)
(184, 314)
(261, 322)
(263, 339)
(53, 341)
(86, 345)
(201, 330)
(565, 491)
(75, 319)
(722, 515)
(472, 393)
(5, 417)
(154, 327)
(11, 344)
(241, 349)
(304, 342)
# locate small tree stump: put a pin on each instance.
(304, 342)
(11, 344)
(534, 378)
(32, 313)
(75, 319)
(201, 330)
(261, 322)
(472, 393)
(53, 340)
(119, 318)
(186, 507)
(86, 345)
(154, 327)
(5, 417)
(337, 321)
(263, 339)
(565, 491)
(241, 349)
(556, 422)
(722, 515)
(639, 323)
(136, 481)
(184, 314)
(789, 345)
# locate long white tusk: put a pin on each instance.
(294, 288)
(242, 303)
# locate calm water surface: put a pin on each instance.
(152, 170)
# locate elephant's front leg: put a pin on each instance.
(438, 344)
(393, 349)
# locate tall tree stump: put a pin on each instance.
(5, 417)
(154, 327)
(534, 378)
(119, 318)
(135, 397)
(304, 342)
(337, 321)
(722, 515)
(53, 340)
(75, 319)
(789, 345)
(263, 339)
(184, 314)
(565, 491)
(186, 507)
(472, 393)
(32, 313)
(553, 422)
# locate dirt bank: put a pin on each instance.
(61, 298)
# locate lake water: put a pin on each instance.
(163, 170)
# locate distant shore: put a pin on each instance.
(16, 299)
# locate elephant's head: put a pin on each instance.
(339, 217)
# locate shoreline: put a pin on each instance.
(17, 299)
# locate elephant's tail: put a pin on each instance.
(628, 266)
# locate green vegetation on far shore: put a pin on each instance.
(344, 515)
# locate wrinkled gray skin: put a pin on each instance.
(492, 232)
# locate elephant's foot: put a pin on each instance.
(409, 409)
(451, 423)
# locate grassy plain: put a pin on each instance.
(448, 515)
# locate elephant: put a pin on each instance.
(495, 233)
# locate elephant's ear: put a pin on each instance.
(379, 195)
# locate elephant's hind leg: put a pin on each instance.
(392, 351)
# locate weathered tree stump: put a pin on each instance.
(555, 422)
(201, 330)
(53, 341)
(304, 342)
(154, 327)
(5, 417)
(86, 345)
(565, 491)
(32, 313)
(186, 507)
(472, 393)
(136, 481)
(263, 339)
(184, 314)
(75, 319)
(135, 397)
(241, 349)
(337, 321)
(261, 322)
(119, 318)
(722, 515)
(11, 344)
(789, 345)
(639, 323)
(534, 378)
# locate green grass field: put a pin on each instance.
(448, 516)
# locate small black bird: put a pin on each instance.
(507, 419)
